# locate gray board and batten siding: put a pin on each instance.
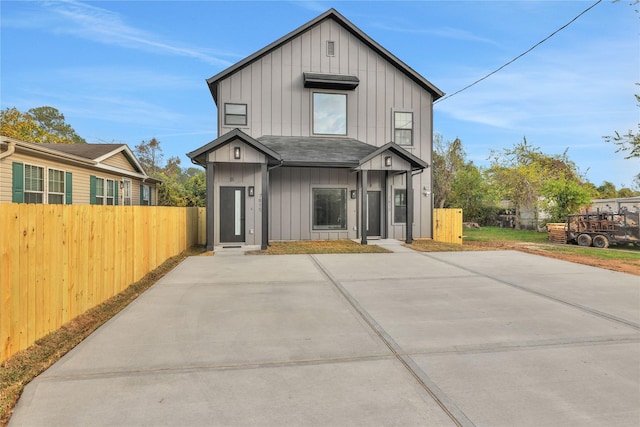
(276, 84)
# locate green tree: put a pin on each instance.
(607, 190)
(53, 123)
(516, 175)
(448, 159)
(38, 125)
(471, 192)
(178, 187)
(532, 181)
(564, 196)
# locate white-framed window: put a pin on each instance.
(126, 192)
(55, 193)
(146, 195)
(400, 206)
(329, 113)
(403, 127)
(111, 190)
(235, 114)
(33, 184)
(329, 207)
(100, 191)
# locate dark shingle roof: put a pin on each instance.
(318, 151)
(88, 151)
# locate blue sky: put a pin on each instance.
(127, 71)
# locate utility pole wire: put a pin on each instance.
(522, 54)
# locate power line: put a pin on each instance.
(522, 54)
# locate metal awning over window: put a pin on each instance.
(331, 81)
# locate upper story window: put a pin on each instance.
(329, 113)
(403, 128)
(235, 114)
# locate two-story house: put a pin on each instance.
(323, 134)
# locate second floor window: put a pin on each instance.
(329, 114)
(403, 128)
(235, 114)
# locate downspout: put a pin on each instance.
(10, 150)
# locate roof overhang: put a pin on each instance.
(199, 156)
(330, 81)
(415, 162)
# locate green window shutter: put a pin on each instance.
(150, 194)
(68, 190)
(141, 194)
(18, 183)
(115, 193)
(92, 190)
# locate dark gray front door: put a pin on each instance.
(373, 211)
(231, 214)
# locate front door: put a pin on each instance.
(231, 214)
(373, 213)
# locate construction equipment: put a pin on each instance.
(601, 229)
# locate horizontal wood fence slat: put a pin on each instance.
(447, 225)
(58, 261)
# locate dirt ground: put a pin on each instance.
(624, 266)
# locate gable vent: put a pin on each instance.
(331, 48)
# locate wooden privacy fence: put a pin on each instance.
(447, 225)
(58, 261)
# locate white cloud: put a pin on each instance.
(104, 26)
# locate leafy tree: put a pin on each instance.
(516, 175)
(532, 180)
(38, 125)
(607, 190)
(564, 196)
(149, 154)
(53, 123)
(471, 192)
(18, 125)
(178, 187)
(448, 159)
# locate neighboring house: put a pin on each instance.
(631, 204)
(323, 134)
(97, 174)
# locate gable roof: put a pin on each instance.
(98, 152)
(306, 151)
(198, 156)
(395, 148)
(87, 155)
(337, 17)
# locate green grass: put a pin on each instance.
(619, 253)
(492, 234)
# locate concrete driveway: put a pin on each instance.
(402, 339)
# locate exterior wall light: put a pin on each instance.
(387, 161)
(236, 153)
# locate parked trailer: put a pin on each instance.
(601, 229)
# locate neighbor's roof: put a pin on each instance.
(88, 155)
(89, 151)
(337, 17)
